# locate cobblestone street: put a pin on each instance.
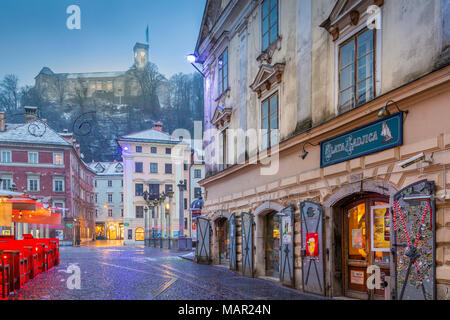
(140, 273)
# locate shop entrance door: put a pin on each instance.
(112, 232)
(273, 245)
(366, 242)
(121, 231)
(223, 241)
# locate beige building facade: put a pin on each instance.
(154, 162)
(301, 208)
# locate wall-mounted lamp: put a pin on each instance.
(192, 58)
(305, 153)
(384, 112)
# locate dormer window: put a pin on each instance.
(119, 168)
(99, 168)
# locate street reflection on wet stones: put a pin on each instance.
(142, 273)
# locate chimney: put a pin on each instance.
(2, 121)
(30, 114)
(158, 126)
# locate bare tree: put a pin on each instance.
(148, 80)
(81, 93)
(30, 96)
(9, 93)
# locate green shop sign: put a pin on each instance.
(68, 225)
(126, 224)
(377, 136)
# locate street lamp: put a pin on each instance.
(168, 216)
(161, 198)
(145, 224)
(181, 187)
(192, 58)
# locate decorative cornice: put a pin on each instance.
(222, 117)
(266, 77)
(266, 55)
(345, 13)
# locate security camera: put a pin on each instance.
(412, 160)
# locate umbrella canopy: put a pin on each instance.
(21, 208)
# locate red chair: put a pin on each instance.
(24, 263)
(4, 274)
(12, 257)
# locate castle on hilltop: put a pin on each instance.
(111, 87)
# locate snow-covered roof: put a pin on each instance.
(7, 193)
(107, 168)
(36, 132)
(151, 135)
(47, 71)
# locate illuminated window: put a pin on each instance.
(99, 85)
(58, 158)
(140, 235)
(110, 85)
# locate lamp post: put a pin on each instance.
(181, 187)
(162, 197)
(192, 58)
(149, 220)
(145, 225)
(168, 216)
(155, 220)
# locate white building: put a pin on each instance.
(109, 199)
(154, 162)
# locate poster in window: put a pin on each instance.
(381, 229)
(312, 244)
(357, 277)
(287, 230)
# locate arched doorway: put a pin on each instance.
(223, 241)
(272, 245)
(268, 244)
(361, 239)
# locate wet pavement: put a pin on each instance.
(141, 273)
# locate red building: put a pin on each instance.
(48, 165)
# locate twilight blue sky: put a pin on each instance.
(33, 34)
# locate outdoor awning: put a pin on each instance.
(20, 208)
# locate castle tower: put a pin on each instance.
(140, 55)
